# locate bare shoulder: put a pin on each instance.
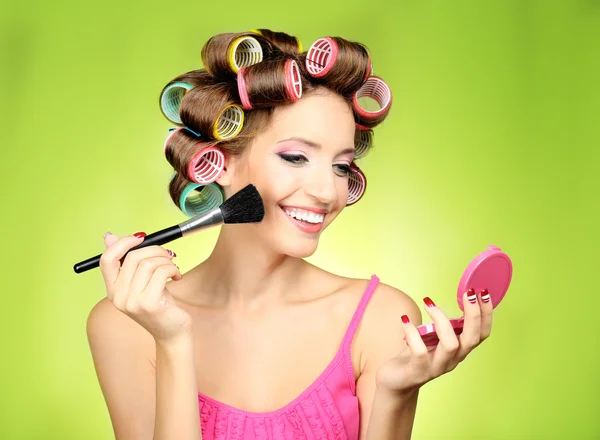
(388, 304)
(380, 333)
(105, 322)
(384, 310)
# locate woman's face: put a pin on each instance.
(300, 166)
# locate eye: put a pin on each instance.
(296, 159)
(342, 169)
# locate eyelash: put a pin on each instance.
(298, 159)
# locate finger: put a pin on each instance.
(471, 334)
(147, 299)
(135, 257)
(487, 312)
(110, 239)
(155, 289)
(448, 342)
(130, 267)
(110, 260)
(130, 290)
(145, 270)
(418, 350)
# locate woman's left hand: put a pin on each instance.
(415, 365)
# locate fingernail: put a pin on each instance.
(485, 296)
(428, 302)
(139, 234)
(107, 233)
(405, 319)
(171, 253)
(471, 296)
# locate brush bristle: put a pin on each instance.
(245, 206)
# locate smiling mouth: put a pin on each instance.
(304, 220)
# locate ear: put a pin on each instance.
(225, 178)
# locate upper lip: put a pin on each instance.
(307, 208)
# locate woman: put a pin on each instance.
(254, 342)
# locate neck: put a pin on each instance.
(243, 272)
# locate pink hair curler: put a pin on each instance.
(376, 89)
(491, 270)
(293, 83)
(243, 92)
(363, 143)
(321, 57)
(357, 184)
(206, 165)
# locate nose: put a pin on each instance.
(321, 186)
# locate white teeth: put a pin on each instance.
(307, 216)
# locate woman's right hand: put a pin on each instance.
(138, 286)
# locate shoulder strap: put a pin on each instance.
(347, 341)
(359, 312)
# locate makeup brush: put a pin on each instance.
(245, 206)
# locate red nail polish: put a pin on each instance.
(428, 302)
(485, 296)
(171, 253)
(139, 234)
(405, 319)
(471, 296)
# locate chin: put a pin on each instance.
(298, 250)
(292, 243)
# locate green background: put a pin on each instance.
(493, 139)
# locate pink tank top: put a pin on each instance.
(326, 410)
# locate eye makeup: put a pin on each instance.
(289, 152)
(341, 169)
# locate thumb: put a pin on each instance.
(110, 239)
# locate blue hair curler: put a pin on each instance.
(193, 203)
(170, 100)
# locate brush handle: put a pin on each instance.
(156, 238)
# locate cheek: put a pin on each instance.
(275, 179)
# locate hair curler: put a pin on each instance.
(323, 55)
(357, 184)
(290, 87)
(244, 51)
(376, 89)
(197, 199)
(363, 143)
(229, 123)
(170, 100)
(206, 165)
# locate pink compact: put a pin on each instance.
(491, 270)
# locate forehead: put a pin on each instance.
(323, 118)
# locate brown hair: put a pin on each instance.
(216, 86)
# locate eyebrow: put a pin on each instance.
(315, 145)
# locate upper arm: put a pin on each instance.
(122, 352)
(381, 339)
